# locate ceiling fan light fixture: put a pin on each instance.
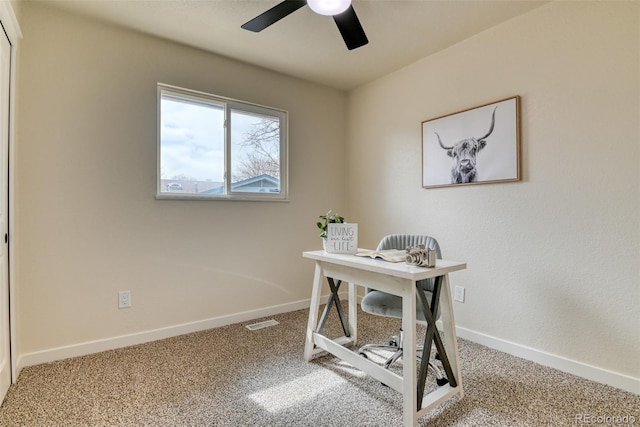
(329, 7)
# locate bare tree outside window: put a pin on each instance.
(261, 145)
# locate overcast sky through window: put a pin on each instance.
(192, 137)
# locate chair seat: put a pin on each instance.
(388, 305)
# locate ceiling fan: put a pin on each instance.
(342, 11)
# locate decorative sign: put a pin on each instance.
(342, 238)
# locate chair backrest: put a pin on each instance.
(403, 241)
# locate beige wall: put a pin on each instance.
(553, 261)
(87, 223)
(16, 5)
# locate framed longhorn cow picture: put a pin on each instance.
(480, 145)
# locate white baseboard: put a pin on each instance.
(563, 364)
(583, 370)
(560, 363)
(82, 349)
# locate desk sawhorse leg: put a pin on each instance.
(432, 335)
(349, 324)
(334, 299)
(448, 350)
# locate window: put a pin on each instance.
(210, 147)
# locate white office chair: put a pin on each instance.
(380, 303)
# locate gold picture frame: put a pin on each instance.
(479, 145)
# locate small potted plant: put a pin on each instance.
(328, 218)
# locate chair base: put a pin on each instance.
(395, 345)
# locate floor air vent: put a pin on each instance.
(261, 325)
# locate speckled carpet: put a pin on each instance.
(231, 376)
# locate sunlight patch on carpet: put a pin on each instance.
(294, 392)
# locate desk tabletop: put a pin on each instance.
(397, 269)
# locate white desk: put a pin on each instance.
(398, 279)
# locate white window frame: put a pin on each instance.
(229, 104)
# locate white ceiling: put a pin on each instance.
(305, 44)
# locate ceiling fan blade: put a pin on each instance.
(273, 15)
(351, 29)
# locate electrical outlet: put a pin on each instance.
(459, 294)
(124, 299)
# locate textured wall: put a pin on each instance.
(553, 261)
(87, 222)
